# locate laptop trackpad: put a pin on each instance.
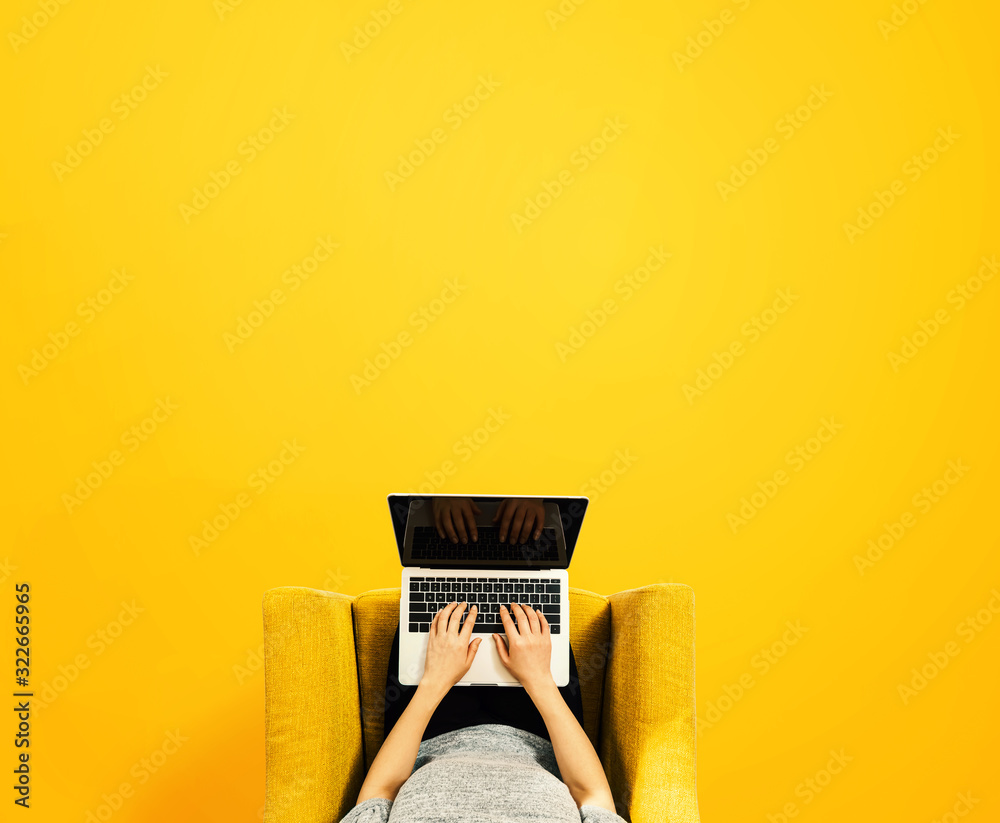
(488, 667)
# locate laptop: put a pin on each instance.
(438, 568)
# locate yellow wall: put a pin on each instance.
(470, 280)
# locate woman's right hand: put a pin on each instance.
(527, 654)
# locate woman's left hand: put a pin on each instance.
(449, 652)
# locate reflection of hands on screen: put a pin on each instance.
(520, 515)
(452, 514)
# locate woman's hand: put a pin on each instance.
(528, 651)
(449, 652)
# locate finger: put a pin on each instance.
(460, 524)
(475, 508)
(529, 613)
(473, 648)
(543, 622)
(508, 513)
(456, 617)
(437, 522)
(529, 519)
(508, 621)
(502, 649)
(471, 518)
(539, 521)
(499, 511)
(515, 528)
(466, 632)
(442, 621)
(448, 527)
(523, 626)
(443, 616)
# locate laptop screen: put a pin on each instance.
(492, 532)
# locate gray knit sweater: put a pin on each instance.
(488, 774)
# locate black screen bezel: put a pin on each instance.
(571, 510)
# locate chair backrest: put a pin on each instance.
(376, 615)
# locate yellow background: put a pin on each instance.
(188, 661)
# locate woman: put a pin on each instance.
(455, 759)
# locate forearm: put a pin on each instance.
(579, 764)
(394, 762)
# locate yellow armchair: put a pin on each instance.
(326, 657)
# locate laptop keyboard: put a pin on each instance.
(428, 595)
(428, 545)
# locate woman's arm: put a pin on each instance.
(579, 764)
(529, 659)
(394, 762)
(449, 656)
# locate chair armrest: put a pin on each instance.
(648, 718)
(313, 750)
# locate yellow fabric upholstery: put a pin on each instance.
(312, 729)
(648, 732)
(325, 664)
